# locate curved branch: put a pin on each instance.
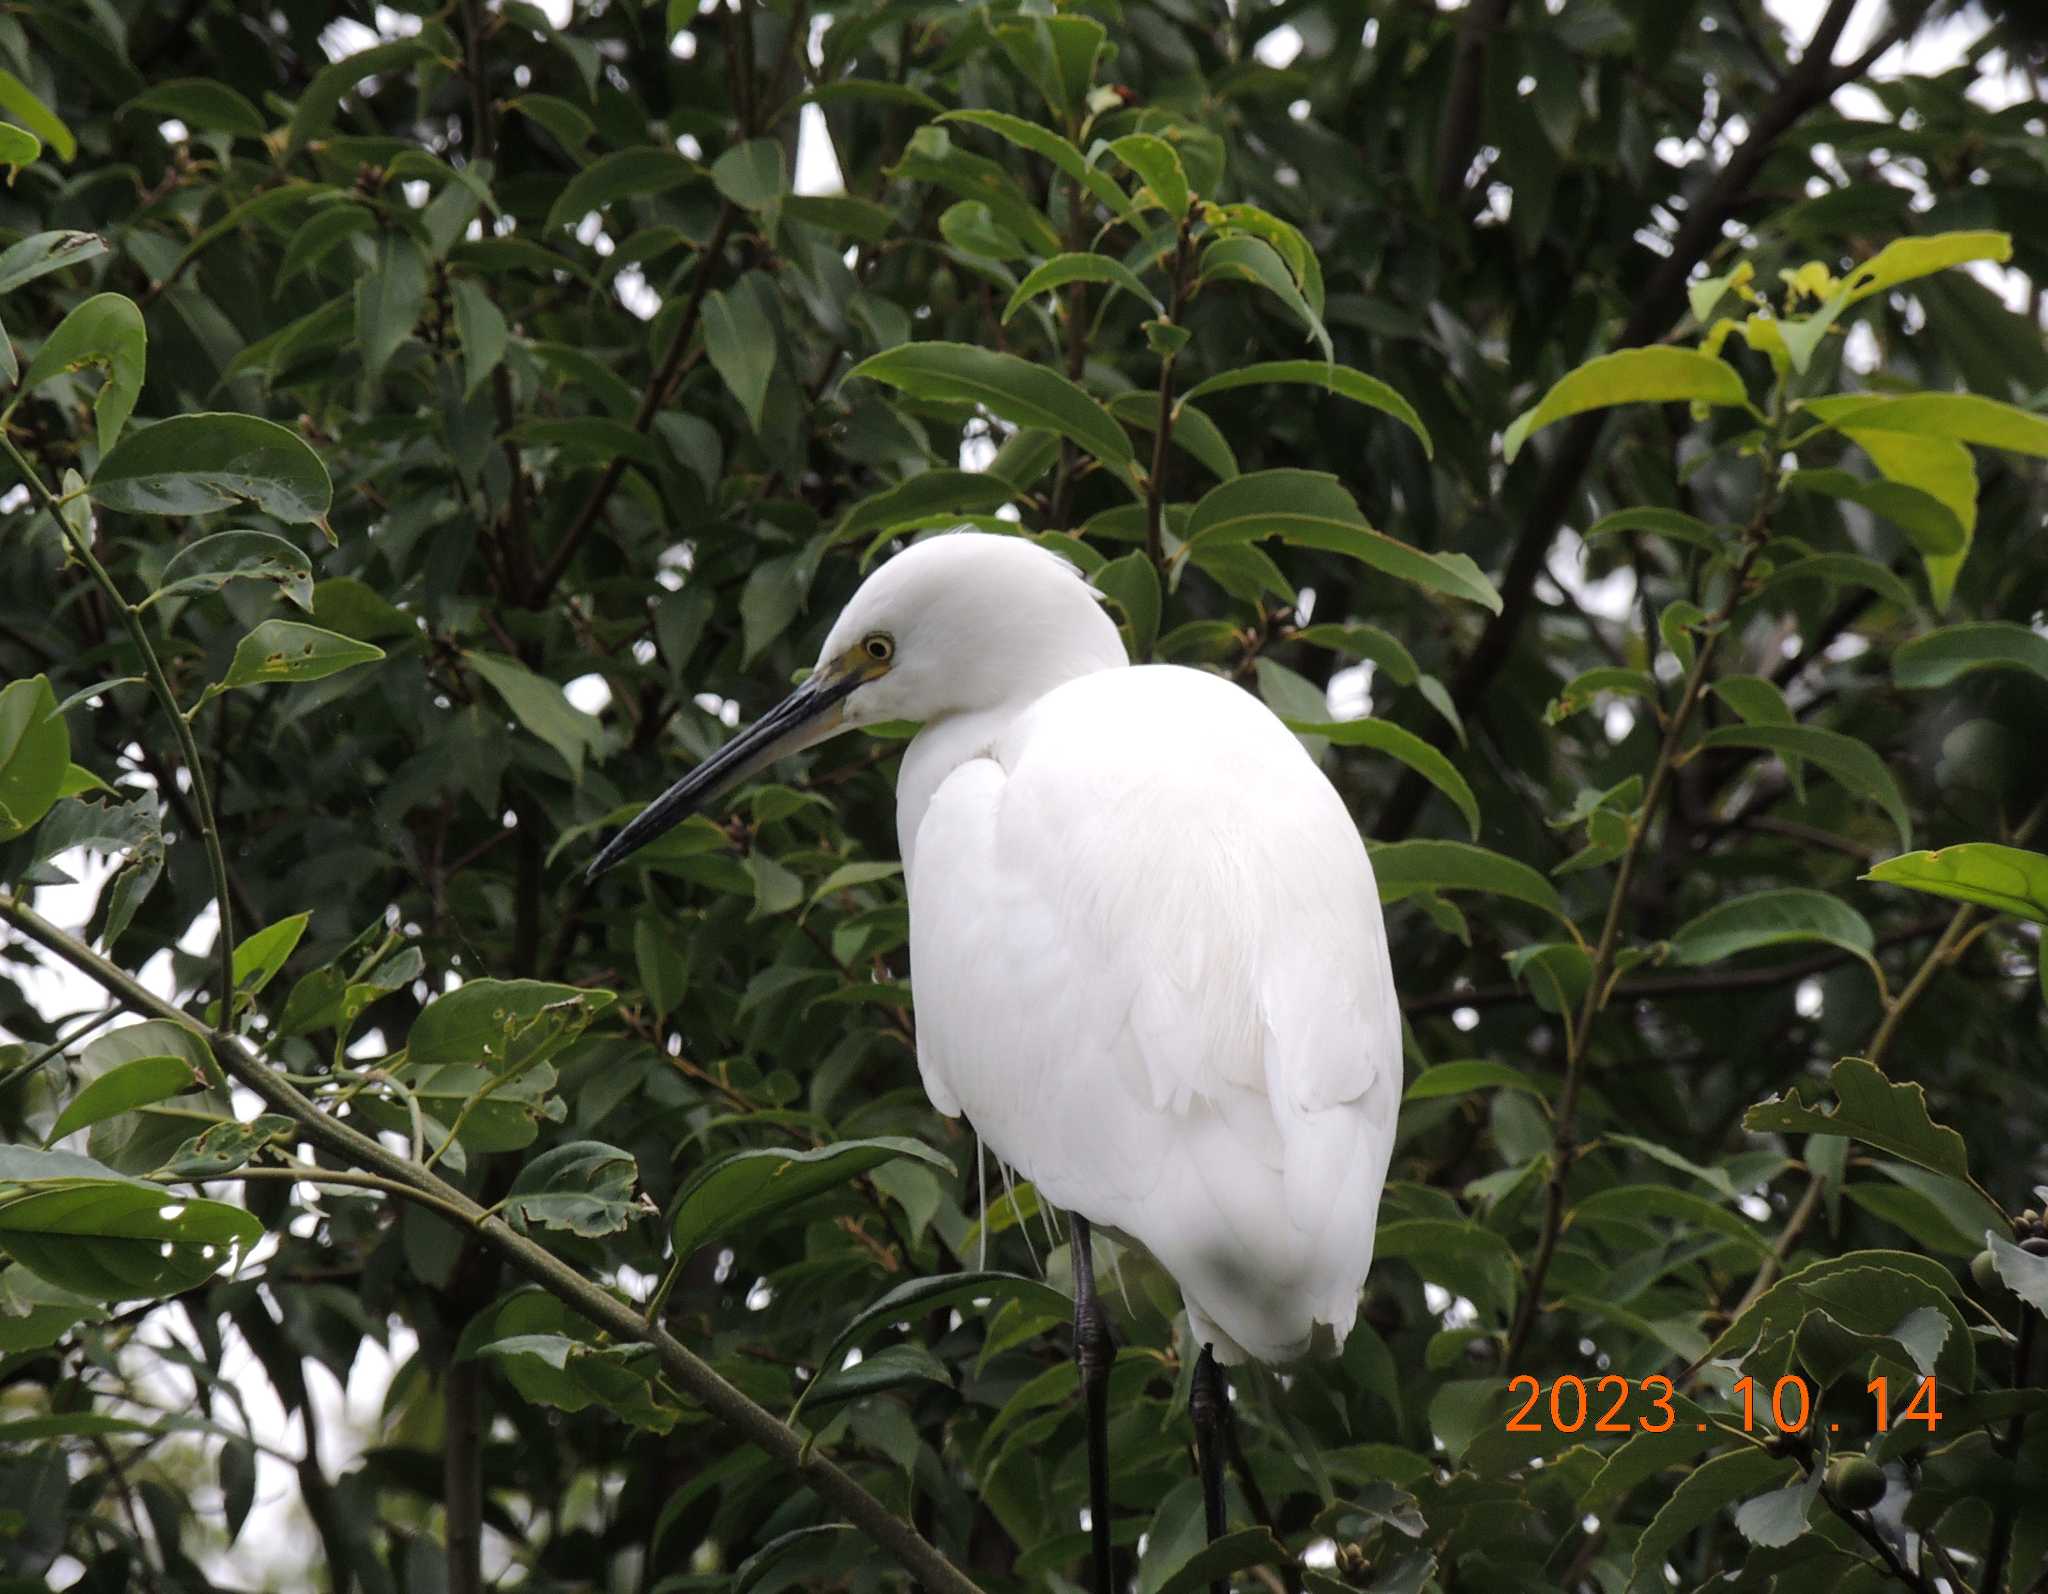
(690, 1372)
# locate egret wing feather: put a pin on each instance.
(1151, 969)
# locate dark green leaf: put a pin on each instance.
(284, 650)
(195, 464)
(748, 1187)
(584, 1187)
(1018, 391)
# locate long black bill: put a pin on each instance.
(808, 715)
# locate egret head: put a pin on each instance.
(951, 625)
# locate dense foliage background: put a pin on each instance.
(391, 368)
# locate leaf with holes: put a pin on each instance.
(212, 562)
(196, 464)
(284, 650)
(105, 333)
(2008, 879)
(584, 1187)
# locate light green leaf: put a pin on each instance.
(1254, 260)
(1953, 417)
(196, 464)
(122, 1089)
(1854, 764)
(284, 650)
(106, 332)
(741, 345)
(18, 148)
(45, 252)
(1016, 390)
(1403, 868)
(1312, 509)
(1063, 269)
(1770, 918)
(539, 705)
(1899, 261)
(19, 101)
(210, 563)
(35, 752)
(746, 1188)
(1386, 737)
(1942, 657)
(1159, 168)
(1630, 376)
(120, 1241)
(215, 1152)
(1332, 378)
(2008, 879)
(260, 957)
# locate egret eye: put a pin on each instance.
(879, 648)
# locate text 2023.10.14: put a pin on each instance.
(1646, 1405)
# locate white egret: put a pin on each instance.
(1147, 951)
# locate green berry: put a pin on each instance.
(1857, 1481)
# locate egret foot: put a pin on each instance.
(1092, 1355)
(1209, 1411)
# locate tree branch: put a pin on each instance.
(1579, 1036)
(1465, 102)
(1656, 305)
(188, 749)
(673, 365)
(690, 1372)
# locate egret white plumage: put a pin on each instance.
(1147, 952)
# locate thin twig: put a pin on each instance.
(651, 401)
(188, 749)
(1565, 1128)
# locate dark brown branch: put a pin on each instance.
(1466, 101)
(1656, 306)
(672, 368)
(1676, 985)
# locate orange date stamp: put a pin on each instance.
(1617, 1405)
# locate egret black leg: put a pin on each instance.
(1093, 1354)
(1209, 1410)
